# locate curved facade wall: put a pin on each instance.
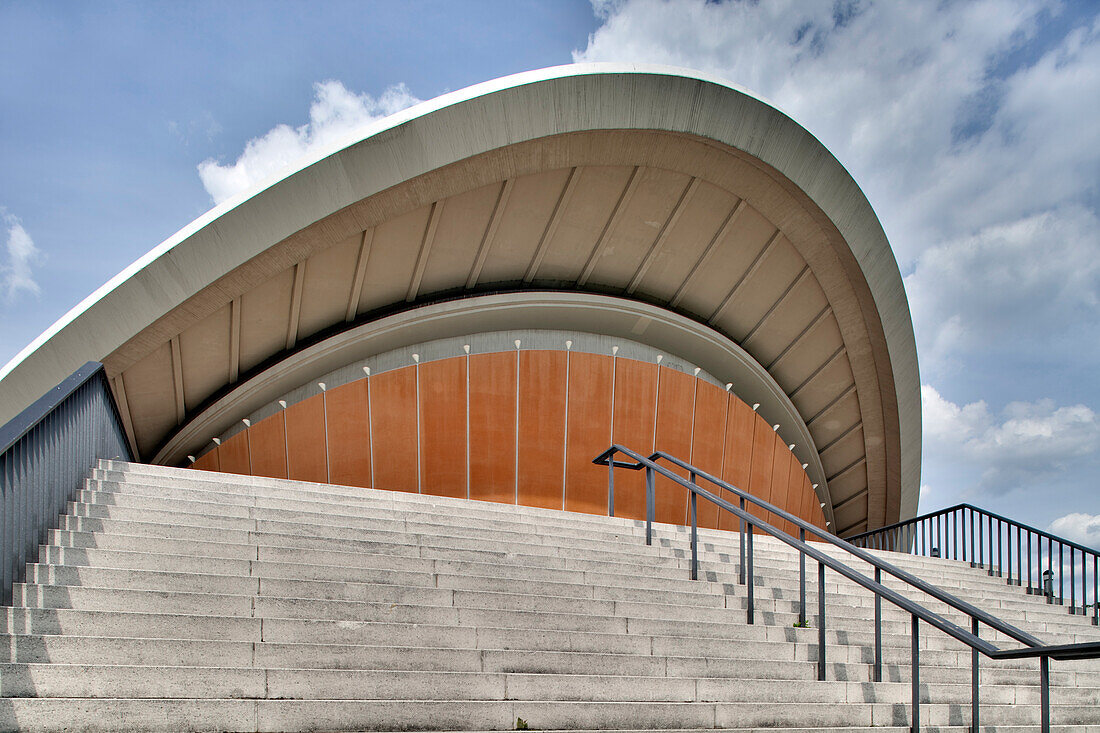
(523, 427)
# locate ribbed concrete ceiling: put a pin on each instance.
(646, 184)
(664, 218)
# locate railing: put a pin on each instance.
(1033, 647)
(987, 540)
(45, 453)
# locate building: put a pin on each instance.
(476, 296)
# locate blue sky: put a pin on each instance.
(973, 128)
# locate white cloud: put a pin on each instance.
(21, 255)
(1083, 529)
(1027, 442)
(987, 176)
(334, 113)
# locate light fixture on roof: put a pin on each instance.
(729, 386)
(815, 487)
(775, 428)
(755, 406)
(191, 458)
(822, 504)
(614, 350)
(660, 357)
(282, 404)
(466, 348)
(321, 385)
(697, 370)
(247, 422)
(416, 358)
(217, 441)
(568, 345)
(516, 342)
(791, 446)
(366, 370)
(805, 466)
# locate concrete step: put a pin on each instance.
(360, 715)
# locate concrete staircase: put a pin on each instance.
(177, 600)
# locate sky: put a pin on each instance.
(972, 127)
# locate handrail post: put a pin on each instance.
(878, 629)
(648, 505)
(972, 556)
(741, 567)
(974, 676)
(801, 579)
(1050, 560)
(1019, 560)
(916, 674)
(749, 578)
(1029, 563)
(990, 546)
(694, 536)
(1095, 590)
(1072, 581)
(1044, 693)
(611, 485)
(821, 621)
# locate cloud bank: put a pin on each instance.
(334, 113)
(973, 130)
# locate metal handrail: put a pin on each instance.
(45, 452)
(1035, 648)
(984, 538)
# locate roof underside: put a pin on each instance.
(672, 219)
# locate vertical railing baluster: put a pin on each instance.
(1019, 561)
(1050, 571)
(916, 675)
(990, 545)
(1029, 575)
(1072, 580)
(973, 557)
(694, 536)
(801, 578)
(1095, 590)
(878, 629)
(821, 621)
(648, 506)
(974, 675)
(611, 485)
(1044, 693)
(741, 567)
(1061, 572)
(751, 609)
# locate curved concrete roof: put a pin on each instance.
(652, 184)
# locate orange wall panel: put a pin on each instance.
(781, 470)
(233, 454)
(208, 461)
(305, 440)
(493, 427)
(443, 427)
(267, 443)
(675, 408)
(708, 445)
(541, 428)
(635, 403)
(571, 407)
(737, 460)
(589, 432)
(347, 411)
(760, 468)
(393, 424)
